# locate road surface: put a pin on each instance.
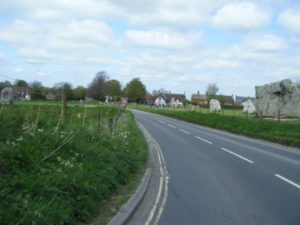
(205, 176)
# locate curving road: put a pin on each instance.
(212, 177)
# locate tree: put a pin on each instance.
(20, 83)
(211, 90)
(4, 84)
(135, 90)
(79, 93)
(98, 88)
(36, 92)
(64, 88)
(114, 89)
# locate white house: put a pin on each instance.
(160, 102)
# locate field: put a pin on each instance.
(56, 171)
(284, 131)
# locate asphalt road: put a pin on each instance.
(213, 177)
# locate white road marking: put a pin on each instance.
(170, 125)
(162, 206)
(237, 155)
(162, 122)
(185, 131)
(288, 181)
(202, 139)
(164, 181)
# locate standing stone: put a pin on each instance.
(248, 106)
(6, 95)
(279, 99)
(81, 103)
(214, 105)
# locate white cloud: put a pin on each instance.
(80, 34)
(240, 17)
(20, 32)
(34, 55)
(290, 20)
(265, 43)
(218, 64)
(100, 60)
(162, 39)
(46, 14)
(175, 13)
(59, 9)
(168, 17)
(257, 49)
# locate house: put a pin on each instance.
(20, 93)
(169, 97)
(160, 102)
(226, 100)
(199, 99)
(148, 100)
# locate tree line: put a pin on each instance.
(100, 87)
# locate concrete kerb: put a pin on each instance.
(127, 210)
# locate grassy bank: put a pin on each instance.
(63, 172)
(287, 133)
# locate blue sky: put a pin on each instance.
(180, 46)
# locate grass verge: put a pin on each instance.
(287, 133)
(64, 172)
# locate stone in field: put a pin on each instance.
(7, 95)
(248, 106)
(214, 105)
(279, 99)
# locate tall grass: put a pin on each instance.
(62, 173)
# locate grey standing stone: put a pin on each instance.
(279, 99)
(7, 95)
(81, 103)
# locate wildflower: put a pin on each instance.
(20, 138)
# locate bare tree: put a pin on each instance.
(211, 90)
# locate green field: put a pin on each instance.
(64, 172)
(284, 132)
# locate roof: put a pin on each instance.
(168, 96)
(240, 99)
(228, 99)
(199, 97)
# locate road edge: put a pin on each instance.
(127, 210)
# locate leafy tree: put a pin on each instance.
(79, 93)
(48, 90)
(135, 90)
(4, 84)
(98, 88)
(36, 90)
(211, 90)
(64, 87)
(114, 89)
(20, 83)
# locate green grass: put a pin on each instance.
(55, 172)
(287, 133)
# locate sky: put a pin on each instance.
(178, 45)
